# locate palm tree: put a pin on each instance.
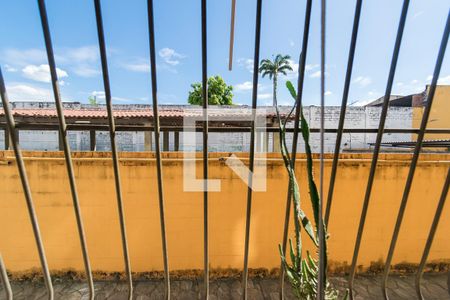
(280, 64)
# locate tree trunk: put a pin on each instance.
(275, 82)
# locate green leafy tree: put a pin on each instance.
(219, 93)
(93, 100)
(280, 65)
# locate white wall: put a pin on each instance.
(356, 117)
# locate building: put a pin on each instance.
(88, 127)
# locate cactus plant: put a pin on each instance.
(302, 271)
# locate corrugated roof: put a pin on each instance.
(94, 113)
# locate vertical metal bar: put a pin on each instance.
(60, 142)
(7, 139)
(176, 140)
(301, 77)
(348, 77)
(156, 126)
(148, 140)
(26, 188)
(92, 140)
(418, 147)
(322, 265)
(112, 136)
(232, 21)
(376, 152)
(166, 140)
(16, 132)
(205, 147)
(66, 148)
(5, 280)
(8, 143)
(430, 238)
(252, 145)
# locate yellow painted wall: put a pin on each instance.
(440, 112)
(184, 212)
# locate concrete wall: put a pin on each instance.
(356, 117)
(184, 211)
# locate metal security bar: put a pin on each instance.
(5, 280)
(232, 21)
(65, 143)
(321, 274)
(26, 189)
(151, 30)
(377, 144)
(112, 136)
(348, 77)
(415, 158)
(300, 81)
(430, 238)
(147, 128)
(252, 146)
(205, 147)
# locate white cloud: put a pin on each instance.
(41, 73)
(85, 71)
(245, 86)
(362, 81)
(246, 63)
(79, 60)
(316, 74)
(85, 54)
(310, 67)
(265, 96)
(98, 94)
(328, 93)
(24, 57)
(292, 74)
(248, 86)
(26, 92)
(411, 87)
(139, 66)
(444, 80)
(8, 68)
(170, 56)
(83, 61)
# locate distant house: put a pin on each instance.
(412, 100)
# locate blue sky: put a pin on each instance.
(178, 33)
